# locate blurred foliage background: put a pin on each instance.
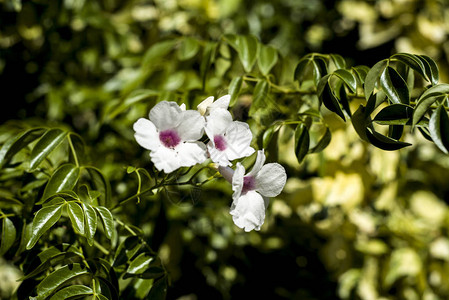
(354, 222)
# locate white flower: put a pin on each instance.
(228, 140)
(251, 191)
(208, 105)
(171, 134)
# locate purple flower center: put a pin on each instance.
(249, 184)
(220, 142)
(169, 138)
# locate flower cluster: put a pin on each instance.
(172, 134)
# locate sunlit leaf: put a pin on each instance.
(189, 48)
(72, 291)
(248, 50)
(234, 89)
(431, 69)
(394, 86)
(64, 178)
(107, 220)
(14, 145)
(44, 219)
(373, 76)
(90, 222)
(140, 263)
(268, 57)
(46, 144)
(76, 216)
(347, 78)
(338, 61)
(395, 114)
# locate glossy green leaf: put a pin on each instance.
(140, 263)
(319, 69)
(439, 128)
(328, 98)
(373, 76)
(301, 68)
(234, 89)
(268, 57)
(189, 48)
(384, 142)
(126, 250)
(360, 72)
(302, 142)
(63, 179)
(338, 61)
(72, 291)
(248, 50)
(347, 78)
(411, 61)
(17, 143)
(76, 216)
(90, 222)
(46, 144)
(77, 149)
(394, 86)
(59, 277)
(431, 68)
(267, 136)
(395, 114)
(8, 235)
(107, 220)
(44, 219)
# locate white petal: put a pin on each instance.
(202, 107)
(217, 156)
(183, 107)
(165, 159)
(237, 181)
(270, 180)
(146, 134)
(191, 153)
(238, 138)
(222, 102)
(166, 115)
(217, 122)
(191, 127)
(260, 160)
(248, 211)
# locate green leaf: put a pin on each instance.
(8, 235)
(77, 148)
(139, 264)
(301, 67)
(373, 76)
(207, 58)
(76, 216)
(63, 179)
(46, 144)
(394, 86)
(360, 72)
(328, 98)
(439, 128)
(188, 49)
(72, 291)
(395, 114)
(126, 250)
(14, 145)
(59, 277)
(156, 52)
(338, 61)
(431, 69)
(234, 89)
(107, 220)
(268, 57)
(159, 289)
(347, 78)
(318, 69)
(323, 142)
(411, 61)
(384, 142)
(267, 136)
(102, 185)
(45, 218)
(247, 48)
(90, 222)
(434, 94)
(302, 141)
(260, 93)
